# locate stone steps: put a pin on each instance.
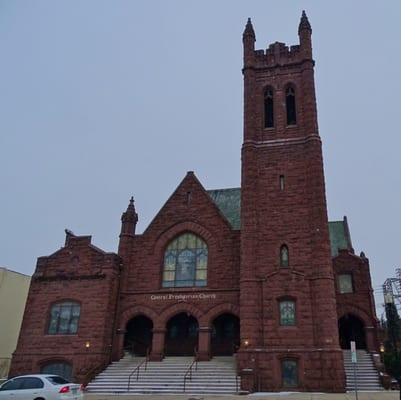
(367, 376)
(217, 376)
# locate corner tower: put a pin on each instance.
(287, 300)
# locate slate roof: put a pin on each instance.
(229, 203)
(340, 238)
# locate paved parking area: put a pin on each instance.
(387, 395)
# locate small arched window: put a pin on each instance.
(290, 106)
(59, 368)
(64, 318)
(269, 108)
(284, 256)
(287, 312)
(185, 262)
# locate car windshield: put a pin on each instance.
(57, 380)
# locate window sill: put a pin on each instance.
(183, 288)
(60, 334)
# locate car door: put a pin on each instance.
(30, 388)
(10, 389)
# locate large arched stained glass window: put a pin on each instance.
(185, 262)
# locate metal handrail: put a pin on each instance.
(236, 372)
(189, 369)
(138, 367)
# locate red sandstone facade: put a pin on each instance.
(281, 203)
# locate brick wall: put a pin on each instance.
(360, 303)
(295, 216)
(189, 209)
(82, 273)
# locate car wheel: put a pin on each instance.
(39, 398)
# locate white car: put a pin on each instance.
(40, 387)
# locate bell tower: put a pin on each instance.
(287, 299)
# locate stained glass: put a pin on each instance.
(284, 258)
(201, 274)
(170, 260)
(182, 242)
(345, 283)
(191, 241)
(290, 373)
(202, 259)
(168, 275)
(185, 262)
(64, 318)
(287, 313)
(54, 315)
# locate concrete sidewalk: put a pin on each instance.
(385, 395)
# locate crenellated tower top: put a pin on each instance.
(278, 53)
(279, 87)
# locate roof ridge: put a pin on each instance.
(232, 188)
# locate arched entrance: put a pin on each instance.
(225, 335)
(138, 335)
(351, 328)
(181, 335)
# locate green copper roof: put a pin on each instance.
(339, 238)
(229, 203)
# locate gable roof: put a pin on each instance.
(229, 203)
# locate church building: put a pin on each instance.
(255, 272)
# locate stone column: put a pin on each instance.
(118, 345)
(371, 340)
(204, 351)
(157, 353)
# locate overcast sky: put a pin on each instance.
(101, 100)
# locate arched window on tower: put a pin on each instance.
(290, 106)
(269, 108)
(185, 262)
(284, 256)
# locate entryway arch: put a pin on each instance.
(138, 335)
(181, 335)
(225, 338)
(351, 328)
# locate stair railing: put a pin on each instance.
(138, 368)
(188, 373)
(236, 370)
